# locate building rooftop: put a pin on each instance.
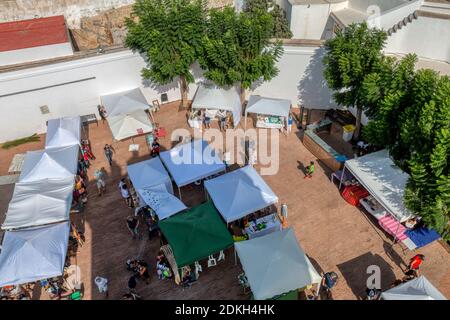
(32, 33)
(348, 16)
(304, 2)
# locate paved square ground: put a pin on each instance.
(336, 236)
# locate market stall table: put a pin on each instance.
(269, 224)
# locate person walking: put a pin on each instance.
(309, 170)
(99, 176)
(109, 151)
(415, 262)
(222, 120)
(132, 225)
(126, 195)
(102, 285)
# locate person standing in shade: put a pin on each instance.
(109, 150)
(222, 120)
(309, 170)
(132, 225)
(127, 196)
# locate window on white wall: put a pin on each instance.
(44, 109)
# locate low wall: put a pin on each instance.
(315, 145)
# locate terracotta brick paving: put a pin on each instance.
(335, 235)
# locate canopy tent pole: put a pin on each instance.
(342, 176)
(318, 289)
(300, 120)
(396, 232)
(179, 191)
(245, 123)
(151, 115)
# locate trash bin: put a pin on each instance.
(348, 132)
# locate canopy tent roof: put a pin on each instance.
(33, 254)
(275, 264)
(51, 163)
(416, 289)
(124, 102)
(239, 193)
(192, 161)
(38, 203)
(128, 125)
(213, 97)
(164, 203)
(196, 234)
(149, 173)
(385, 181)
(268, 106)
(63, 132)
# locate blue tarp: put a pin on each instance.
(422, 236)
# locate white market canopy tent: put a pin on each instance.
(124, 102)
(384, 181)
(51, 163)
(212, 97)
(239, 193)
(275, 264)
(154, 187)
(416, 289)
(33, 254)
(164, 203)
(149, 173)
(63, 132)
(190, 162)
(128, 125)
(38, 203)
(268, 106)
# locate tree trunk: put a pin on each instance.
(184, 92)
(358, 122)
(242, 95)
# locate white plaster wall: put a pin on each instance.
(384, 5)
(20, 113)
(308, 21)
(427, 37)
(388, 18)
(35, 53)
(300, 79)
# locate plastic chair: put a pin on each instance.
(212, 262)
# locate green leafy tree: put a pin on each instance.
(410, 115)
(350, 57)
(237, 50)
(280, 28)
(169, 33)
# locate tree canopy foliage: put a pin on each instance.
(169, 33)
(237, 50)
(352, 55)
(409, 114)
(280, 28)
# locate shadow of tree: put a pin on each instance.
(313, 92)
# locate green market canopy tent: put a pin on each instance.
(196, 234)
(275, 264)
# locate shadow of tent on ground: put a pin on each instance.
(355, 272)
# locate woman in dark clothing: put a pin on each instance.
(109, 150)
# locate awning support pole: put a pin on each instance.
(179, 192)
(342, 176)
